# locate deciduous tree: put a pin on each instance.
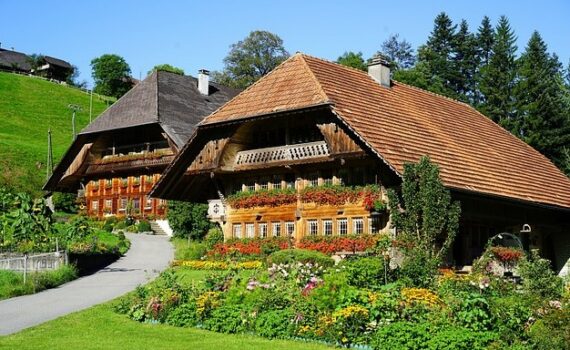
(399, 52)
(352, 59)
(167, 68)
(111, 74)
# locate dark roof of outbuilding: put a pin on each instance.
(57, 62)
(9, 59)
(169, 99)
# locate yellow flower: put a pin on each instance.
(413, 296)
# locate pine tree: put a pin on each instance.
(399, 52)
(542, 101)
(485, 39)
(438, 52)
(465, 64)
(498, 77)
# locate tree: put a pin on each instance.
(437, 54)
(542, 119)
(251, 58)
(465, 63)
(399, 52)
(188, 219)
(111, 74)
(424, 214)
(498, 77)
(352, 59)
(485, 39)
(167, 68)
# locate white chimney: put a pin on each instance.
(204, 81)
(379, 70)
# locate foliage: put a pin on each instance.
(333, 244)
(111, 74)
(553, 330)
(167, 68)
(353, 60)
(262, 198)
(250, 59)
(66, 202)
(274, 324)
(143, 226)
(474, 312)
(12, 283)
(248, 247)
(426, 214)
(213, 237)
(507, 256)
(367, 273)
(188, 219)
(291, 256)
(538, 277)
(399, 52)
(349, 325)
(188, 250)
(340, 195)
(418, 268)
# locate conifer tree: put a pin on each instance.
(465, 64)
(399, 52)
(485, 39)
(541, 101)
(498, 77)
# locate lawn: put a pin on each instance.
(101, 328)
(28, 107)
(12, 283)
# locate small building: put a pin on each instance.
(312, 123)
(46, 66)
(54, 68)
(14, 61)
(115, 160)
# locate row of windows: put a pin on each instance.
(124, 201)
(314, 227)
(124, 181)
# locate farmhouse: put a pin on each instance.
(47, 66)
(117, 158)
(267, 161)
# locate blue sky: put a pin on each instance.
(197, 34)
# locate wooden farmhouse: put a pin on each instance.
(117, 158)
(267, 160)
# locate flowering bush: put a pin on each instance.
(415, 296)
(350, 325)
(218, 265)
(262, 198)
(330, 245)
(247, 247)
(509, 257)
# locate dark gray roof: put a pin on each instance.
(9, 59)
(169, 99)
(57, 62)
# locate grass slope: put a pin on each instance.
(28, 107)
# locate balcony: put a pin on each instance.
(144, 159)
(288, 153)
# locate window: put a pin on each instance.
(312, 227)
(358, 226)
(108, 204)
(373, 224)
(263, 229)
(236, 230)
(109, 183)
(342, 226)
(290, 228)
(148, 203)
(276, 229)
(136, 203)
(249, 230)
(148, 179)
(327, 227)
(95, 205)
(123, 203)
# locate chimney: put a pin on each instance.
(379, 69)
(203, 81)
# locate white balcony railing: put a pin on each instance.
(283, 153)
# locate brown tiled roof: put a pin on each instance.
(402, 123)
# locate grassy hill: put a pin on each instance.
(28, 107)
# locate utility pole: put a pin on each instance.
(49, 167)
(75, 109)
(91, 106)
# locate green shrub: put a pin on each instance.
(227, 319)
(292, 256)
(423, 335)
(552, 331)
(474, 312)
(121, 225)
(188, 219)
(367, 273)
(275, 324)
(183, 316)
(418, 269)
(66, 202)
(189, 250)
(109, 224)
(510, 315)
(538, 277)
(143, 226)
(213, 237)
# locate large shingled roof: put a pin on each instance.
(402, 123)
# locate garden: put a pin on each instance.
(29, 227)
(394, 294)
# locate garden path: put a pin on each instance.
(147, 256)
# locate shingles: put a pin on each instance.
(10, 59)
(403, 123)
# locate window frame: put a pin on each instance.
(263, 229)
(357, 225)
(312, 227)
(327, 226)
(236, 230)
(248, 226)
(342, 227)
(276, 229)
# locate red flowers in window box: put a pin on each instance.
(331, 245)
(263, 198)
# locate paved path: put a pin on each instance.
(147, 256)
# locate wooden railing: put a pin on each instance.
(283, 153)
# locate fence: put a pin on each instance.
(36, 262)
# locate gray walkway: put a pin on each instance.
(147, 256)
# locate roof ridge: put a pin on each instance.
(434, 93)
(279, 67)
(314, 78)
